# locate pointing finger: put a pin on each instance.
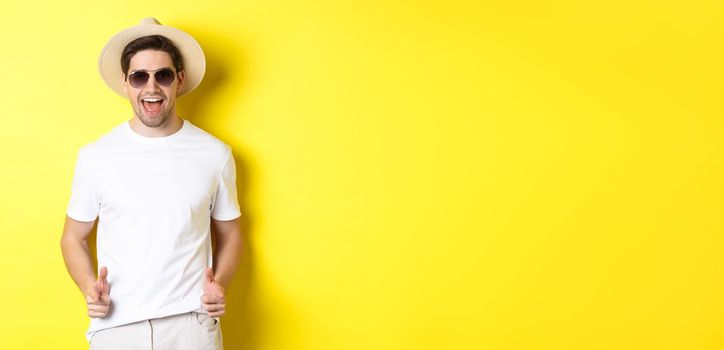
(211, 299)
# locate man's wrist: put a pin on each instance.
(88, 285)
(221, 281)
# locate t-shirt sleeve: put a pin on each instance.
(84, 202)
(226, 205)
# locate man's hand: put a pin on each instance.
(214, 298)
(98, 297)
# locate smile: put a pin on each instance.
(152, 105)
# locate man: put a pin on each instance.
(158, 186)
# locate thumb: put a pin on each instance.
(103, 274)
(209, 275)
(102, 283)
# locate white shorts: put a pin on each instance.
(190, 330)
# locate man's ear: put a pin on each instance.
(181, 80)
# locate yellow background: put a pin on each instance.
(415, 174)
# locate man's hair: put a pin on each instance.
(152, 42)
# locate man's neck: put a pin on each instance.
(170, 127)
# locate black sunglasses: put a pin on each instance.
(164, 77)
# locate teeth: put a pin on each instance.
(152, 99)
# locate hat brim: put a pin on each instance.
(109, 62)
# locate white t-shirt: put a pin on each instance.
(154, 197)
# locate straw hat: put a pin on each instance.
(109, 63)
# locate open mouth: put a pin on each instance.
(152, 105)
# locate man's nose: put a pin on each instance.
(152, 82)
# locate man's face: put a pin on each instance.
(153, 103)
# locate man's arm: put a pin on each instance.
(74, 245)
(226, 260)
(229, 245)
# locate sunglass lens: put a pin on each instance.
(138, 79)
(165, 77)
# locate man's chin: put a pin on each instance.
(152, 121)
